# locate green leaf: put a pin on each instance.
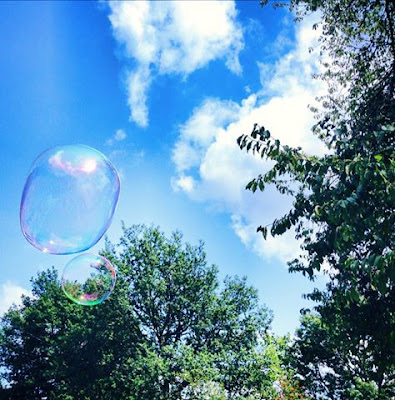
(378, 157)
(354, 295)
(263, 230)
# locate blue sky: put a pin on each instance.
(163, 89)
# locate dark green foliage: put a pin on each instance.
(344, 203)
(168, 328)
(52, 347)
(323, 359)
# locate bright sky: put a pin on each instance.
(163, 89)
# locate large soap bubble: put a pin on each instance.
(88, 279)
(69, 199)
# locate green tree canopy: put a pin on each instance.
(169, 330)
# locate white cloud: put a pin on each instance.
(210, 166)
(10, 294)
(185, 183)
(138, 82)
(173, 37)
(284, 247)
(292, 73)
(118, 136)
(200, 131)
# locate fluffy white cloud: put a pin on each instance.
(185, 183)
(10, 294)
(173, 37)
(138, 82)
(285, 247)
(118, 136)
(210, 166)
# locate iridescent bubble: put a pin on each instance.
(69, 199)
(88, 279)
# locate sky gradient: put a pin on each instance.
(163, 89)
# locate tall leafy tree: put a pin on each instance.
(343, 209)
(169, 330)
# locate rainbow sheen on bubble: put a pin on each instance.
(69, 199)
(88, 279)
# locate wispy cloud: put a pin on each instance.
(10, 294)
(118, 136)
(172, 37)
(210, 166)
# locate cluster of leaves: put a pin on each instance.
(291, 390)
(355, 185)
(344, 203)
(168, 331)
(326, 366)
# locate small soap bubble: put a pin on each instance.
(88, 279)
(69, 199)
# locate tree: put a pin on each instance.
(56, 349)
(343, 209)
(324, 363)
(168, 331)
